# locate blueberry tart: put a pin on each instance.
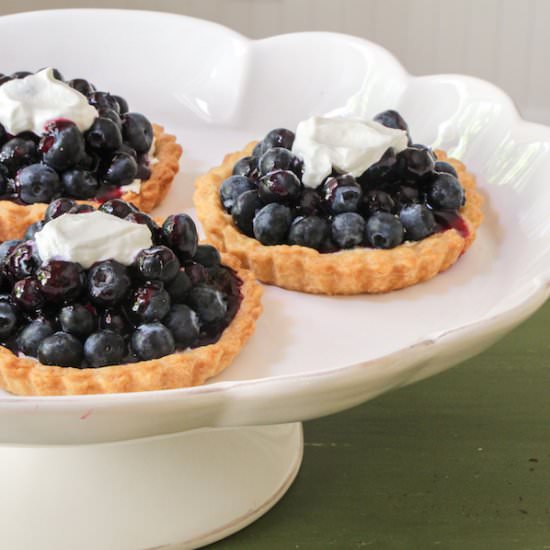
(65, 138)
(342, 206)
(106, 300)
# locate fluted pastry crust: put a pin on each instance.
(356, 271)
(16, 218)
(26, 376)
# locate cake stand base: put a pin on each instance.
(165, 493)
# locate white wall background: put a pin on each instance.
(504, 41)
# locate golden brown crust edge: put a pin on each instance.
(24, 376)
(356, 271)
(16, 218)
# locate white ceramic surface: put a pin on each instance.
(311, 355)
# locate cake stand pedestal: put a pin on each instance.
(173, 493)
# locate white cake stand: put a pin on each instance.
(181, 468)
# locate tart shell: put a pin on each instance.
(15, 218)
(357, 271)
(192, 367)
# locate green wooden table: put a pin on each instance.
(459, 461)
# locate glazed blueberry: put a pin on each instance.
(82, 86)
(144, 219)
(380, 171)
(27, 295)
(58, 207)
(144, 170)
(122, 170)
(310, 231)
(310, 202)
(197, 273)
(257, 151)
(179, 286)
(207, 255)
(103, 100)
(118, 208)
(104, 135)
(111, 114)
(108, 283)
(59, 280)
(8, 319)
(247, 167)
(137, 132)
(37, 183)
(33, 229)
(6, 248)
(104, 348)
(180, 234)
(122, 104)
(407, 194)
(232, 188)
(16, 153)
(149, 302)
(445, 192)
(348, 229)
(209, 304)
(384, 230)
(445, 167)
(184, 325)
(89, 162)
(375, 201)
(61, 349)
(279, 186)
(271, 224)
(115, 320)
(418, 221)
(416, 161)
(391, 119)
(279, 137)
(346, 199)
(278, 158)
(80, 184)
(81, 209)
(32, 335)
(157, 263)
(332, 183)
(23, 260)
(78, 320)
(152, 341)
(62, 145)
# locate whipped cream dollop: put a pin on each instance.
(346, 144)
(91, 237)
(27, 104)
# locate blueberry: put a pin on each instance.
(23, 260)
(62, 145)
(82, 86)
(144, 169)
(59, 280)
(33, 229)
(122, 170)
(380, 171)
(180, 234)
(118, 208)
(77, 319)
(247, 167)
(232, 188)
(115, 320)
(157, 263)
(346, 199)
(384, 230)
(152, 341)
(310, 202)
(32, 335)
(103, 100)
(271, 224)
(8, 319)
(16, 153)
(111, 114)
(5, 183)
(391, 119)
(149, 302)
(209, 304)
(6, 248)
(279, 186)
(81, 209)
(122, 104)
(37, 183)
(60, 349)
(348, 229)
(310, 231)
(179, 286)
(108, 283)
(445, 192)
(20, 74)
(447, 168)
(375, 201)
(418, 221)
(27, 295)
(80, 184)
(415, 161)
(207, 256)
(89, 162)
(104, 348)
(407, 194)
(278, 158)
(58, 207)
(279, 137)
(104, 135)
(331, 184)
(137, 132)
(257, 151)
(183, 322)
(197, 273)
